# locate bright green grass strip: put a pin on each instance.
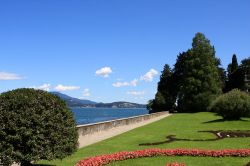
(181, 125)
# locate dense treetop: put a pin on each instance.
(35, 125)
(196, 79)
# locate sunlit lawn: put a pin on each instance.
(181, 125)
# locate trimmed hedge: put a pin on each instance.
(232, 105)
(35, 125)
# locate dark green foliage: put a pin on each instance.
(181, 68)
(234, 76)
(149, 105)
(222, 74)
(166, 94)
(35, 125)
(223, 77)
(245, 65)
(201, 81)
(240, 77)
(159, 103)
(232, 67)
(197, 78)
(245, 62)
(232, 105)
(236, 79)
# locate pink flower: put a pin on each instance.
(119, 156)
(175, 164)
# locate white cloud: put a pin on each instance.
(134, 82)
(86, 92)
(9, 76)
(104, 72)
(136, 93)
(66, 88)
(121, 84)
(45, 87)
(148, 77)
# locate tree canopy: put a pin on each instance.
(35, 125)
(195, 80)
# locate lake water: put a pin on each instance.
(93, 115)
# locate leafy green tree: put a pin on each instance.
(166, 87)
(245, 71)
(166, 94)
(222, 74)
(158, 103)
(180, 69)
(35, 125)
(179, 74)
(149, 105)
(232, 67)
(245, 63)
(232, 105)
(239, 78)
(201, 82)
(233, 75)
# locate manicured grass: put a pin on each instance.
(181, 125)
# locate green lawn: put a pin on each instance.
(181, 125)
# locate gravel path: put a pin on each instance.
(102, 135)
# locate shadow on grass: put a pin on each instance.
(223, 120)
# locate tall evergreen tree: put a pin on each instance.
(179, 74)
(181, 68)
(242, 76)
(245, 65)
(235, 75)
(166, 94)
(197, 78)
(222, 74)
(234, 65)
(201, 82)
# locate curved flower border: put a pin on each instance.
(107, 158)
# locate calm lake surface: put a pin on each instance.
(93, 115)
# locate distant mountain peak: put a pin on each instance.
(73, 102)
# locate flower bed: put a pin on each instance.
(175, 164)
(107, 158)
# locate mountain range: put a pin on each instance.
(75, 102)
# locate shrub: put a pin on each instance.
(232, 105)
(35, 125)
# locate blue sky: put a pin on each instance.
(60, 45)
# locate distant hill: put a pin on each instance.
(120, 104)
(74, 102)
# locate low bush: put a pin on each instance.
(232, 105)
(35, 125)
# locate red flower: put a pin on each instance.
(175, 164)
(106, 159)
